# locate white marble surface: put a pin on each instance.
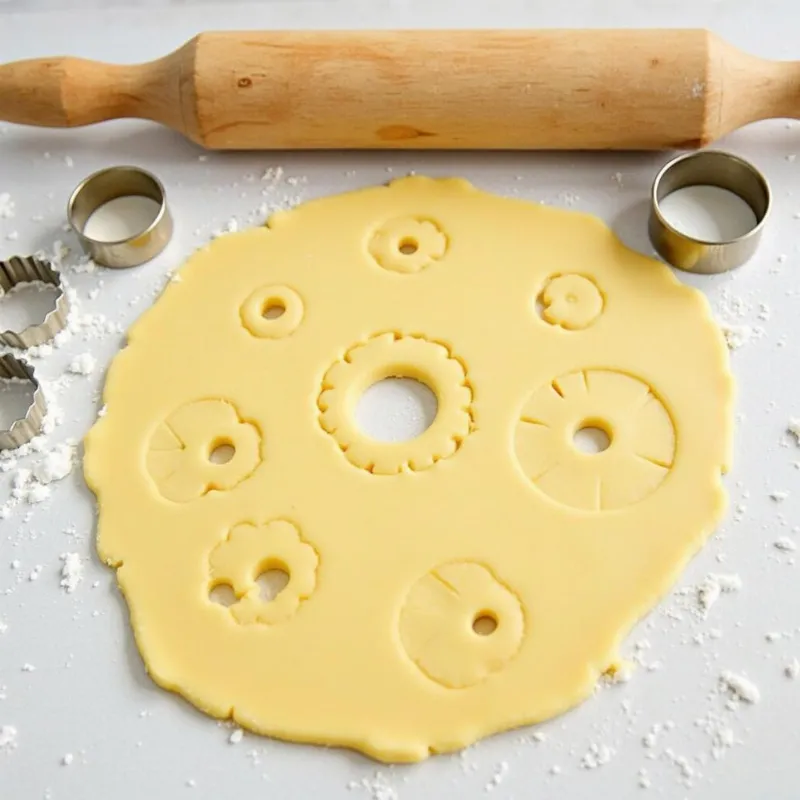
(89, 694)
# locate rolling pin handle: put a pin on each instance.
(67, 92)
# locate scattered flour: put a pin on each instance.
(67, 759)
(738, 335)
(721, 734)
(499, 774)
(231, 226)
(779, 497)
(37, 493)
(7, 206)
(687, 772)
(740, 687)
(56, 464)
(84, 364)
(376, 787)
(236, 736)
(597, 756)
(786, 544)
(272, 175)
(644, 779)
(794, 428)
(650, 739)
(792, 669)
(8, 738)
(709, 591)
(32, 486)
(71, 572)
(618, 673)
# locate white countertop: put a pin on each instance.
(89, 694)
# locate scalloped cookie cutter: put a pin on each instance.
(19, 270)
(24, 429)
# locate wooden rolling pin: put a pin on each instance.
(594, 89)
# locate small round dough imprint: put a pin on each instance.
(571, 301)
(642, 440)
(255, 309)
(407, 244)
(390, 355)
(437, 619)
(249, 551)
(179, 452)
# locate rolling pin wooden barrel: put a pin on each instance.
(556, 89)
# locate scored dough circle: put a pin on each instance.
(491, 514)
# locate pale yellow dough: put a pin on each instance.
(528, 323)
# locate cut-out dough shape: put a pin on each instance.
(390, 355)
(249, 551)
(437, 624)
(641, 435)
(572, 301)
(179, 455)
(406, 244)
(510, 513)
(286, 304)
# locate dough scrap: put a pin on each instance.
(529, 323)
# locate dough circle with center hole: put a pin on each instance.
(563, 550)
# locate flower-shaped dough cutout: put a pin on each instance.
(440, 624)
(641, 436)
(393, 355)
(571, 301)
(250, 551)
(180, 452)
(407, 244)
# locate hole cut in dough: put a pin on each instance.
(223, 595)
(591, 439)
(273, 309)
(396, 409)
(485, 624)
(271, 582)
(222, 453)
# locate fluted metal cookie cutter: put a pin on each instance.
(24, 429)
(20, 270)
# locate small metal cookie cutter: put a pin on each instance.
(20, 270)
(708, 168)
(111, 184)
(24, 429)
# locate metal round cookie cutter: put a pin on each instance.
(110, 184)
(708, 168)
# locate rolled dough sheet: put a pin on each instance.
(478, 577)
